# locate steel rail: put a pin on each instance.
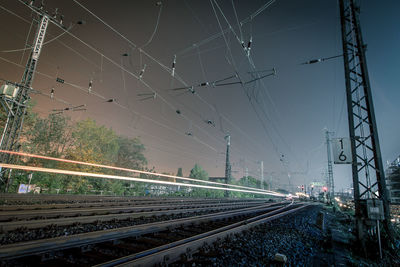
(34, 224)
(52, 213)
(54, 206)
(35, 247)
(172, 252)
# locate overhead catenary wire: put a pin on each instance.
(243, 87)
(248, 56)
(124, 107)
(132, 74)
(172, 71)
(45, 43)
(79, 87)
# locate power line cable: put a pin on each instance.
(45, 43)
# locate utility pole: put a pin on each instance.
(246, 174)
(330, 183)
(227, 163)
(367, 168)
(262, 174)
(15, 101)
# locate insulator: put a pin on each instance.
(249, 46)
(173, 66)
(142, 72)
(90, 85)
(249, 43)
(314, 61)
(204, 84)
(52, 93)
(55, 13)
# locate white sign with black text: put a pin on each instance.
(341, 150)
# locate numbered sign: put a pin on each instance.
(341, 151)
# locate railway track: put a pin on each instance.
(136, 243)
(41, 219)
(74, 212)
(39, 200)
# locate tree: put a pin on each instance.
(179, 173)
(198, 173)
(49, 136)
(96, 144)
(130, 153)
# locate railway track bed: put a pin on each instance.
(126, 244)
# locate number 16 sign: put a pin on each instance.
(341, 150)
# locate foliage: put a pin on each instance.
(86, 141)
(179, 173)
(48, 136)
(198, 173)
(130, 153)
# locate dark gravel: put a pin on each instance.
(295, 236)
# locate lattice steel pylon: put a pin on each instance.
(15, 104)
(367, 168)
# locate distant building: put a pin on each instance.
(393, 180)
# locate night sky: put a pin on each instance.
(278, 120)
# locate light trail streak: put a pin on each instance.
(134, 179)
(129, 170)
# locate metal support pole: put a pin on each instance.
(262, 174)
(331, 187)
(16, 105)
(227, 164)
(367, 168)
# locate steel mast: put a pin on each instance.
(15, 102)
(367, 168)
